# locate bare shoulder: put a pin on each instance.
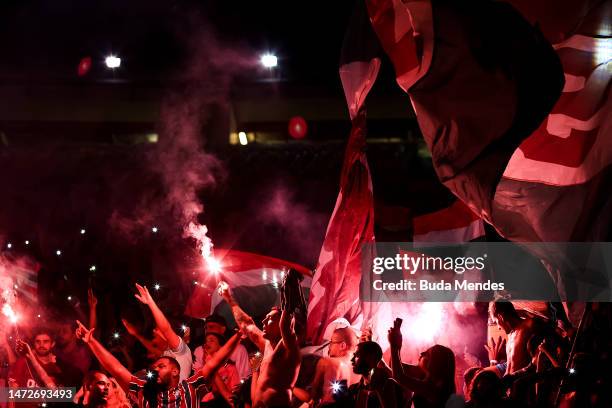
(324, 362)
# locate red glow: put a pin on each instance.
(84, 66)
(298, 127)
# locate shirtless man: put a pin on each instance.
(518, 331)
(273, 383)
(332, 370)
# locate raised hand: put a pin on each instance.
(92, 300)
(225, 292)
(366, 335)
(143, 295)
(395, 334)
(129, 327)
(292, 297)
(84, 333)
(23, 348)
(543, 347)
(497, 350)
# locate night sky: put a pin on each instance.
(274, 201)
(44, 40)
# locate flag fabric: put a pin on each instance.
(335, 287)
(254, 279)
(453, 224)
(532, 157)
(514, 105)
(470, 130)
(557, 184)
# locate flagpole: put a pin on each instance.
(587, 309)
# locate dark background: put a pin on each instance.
(72, 154)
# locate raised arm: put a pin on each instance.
(161, 322)
(544, 349)
(106, 359)
(406, 381)
(24, 349)
(395, 342)
(220, 356)
(148, 344)
(92, 301)
(244, 321)
(288, 335)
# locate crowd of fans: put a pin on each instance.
(538, 364)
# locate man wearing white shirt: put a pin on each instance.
(176, 346)
(216, 324)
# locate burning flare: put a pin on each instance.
(428, 322)
(205, 246)
(8, 311)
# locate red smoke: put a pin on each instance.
(200, 87)
(298, 224)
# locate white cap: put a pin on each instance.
(339, 323)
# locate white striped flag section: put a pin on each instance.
(254, 279)
(453, 224)
(557, 184)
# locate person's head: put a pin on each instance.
(168, 371)
(504, 314)
(65, 333)
(468, 377)
(270, 324)
(98, 386)
(159, 343)
(213, 342)
(486, 388)
(342, 342)
(43, 342)
(215, 324)
(438, 362)
(366, 357)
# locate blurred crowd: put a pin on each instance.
(536, 363)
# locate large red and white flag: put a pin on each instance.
(335, 287)
(254, 279)
(514, 105)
